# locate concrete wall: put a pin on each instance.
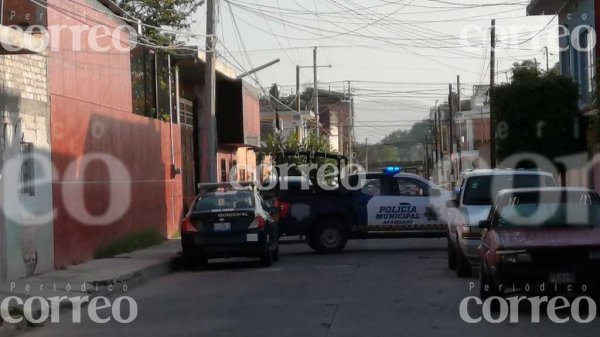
(91, 109)
(27, 243)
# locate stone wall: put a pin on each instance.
(26, 244)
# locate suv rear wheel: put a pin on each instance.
(329, 236)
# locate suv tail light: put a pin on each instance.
(259, 223)
(187, 227)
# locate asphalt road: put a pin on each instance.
(374, 288)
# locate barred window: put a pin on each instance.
(27, 169)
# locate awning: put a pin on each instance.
(13, 41)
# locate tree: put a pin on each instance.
(538, 113)
(274, 91)
(403, 145)
(175, 14)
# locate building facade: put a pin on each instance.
(577, 40)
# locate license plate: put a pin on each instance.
(223, 227)
(562, 278)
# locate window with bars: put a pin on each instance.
(27, 169)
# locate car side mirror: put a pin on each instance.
(452, 203)
(485, 224)
(435, 192)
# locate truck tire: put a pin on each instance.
(329, 236)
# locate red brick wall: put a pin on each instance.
(91, 111)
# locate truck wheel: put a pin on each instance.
(451, 255)
(463, 267)
(310, 243)
(329, 237)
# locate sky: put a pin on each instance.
(399, 56)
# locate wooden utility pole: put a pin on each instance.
(367, 155)
(460, 134)
(351, 133)
(440, 145)
(547, 59)
(450, 122)
(316, 94)
(298, 89)
(458, 92)
(492, 85)
(210, 84)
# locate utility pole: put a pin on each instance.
(547, 59)
(434, 138)
(298, 89)
(440, 138)
(367, 154)
(492, 85)
(316, 94)
(351, 133)
(210, 92)
(459, 138)
(458, 91)
(451, 121)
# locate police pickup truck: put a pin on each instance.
(388, 204)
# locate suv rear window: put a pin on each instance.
(478, 190)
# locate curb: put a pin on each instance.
(135, 278)
(106, 288)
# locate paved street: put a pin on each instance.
(375, 288)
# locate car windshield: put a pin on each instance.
(220, 201)
(553, 211)
(483, 190)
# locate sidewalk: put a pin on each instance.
(104, 277)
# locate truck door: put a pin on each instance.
(409, 207)
(375, 189)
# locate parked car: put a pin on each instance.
(471, 202)
(544, 236)
(226, 221)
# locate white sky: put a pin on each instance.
(400, 54)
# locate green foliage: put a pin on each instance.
(277, 144)
(175, 14)
(401, 145)
(129, 243)
(540, 114)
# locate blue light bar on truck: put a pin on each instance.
(392, 170)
